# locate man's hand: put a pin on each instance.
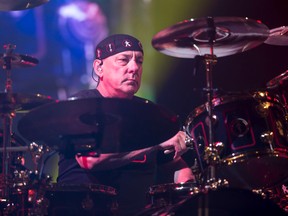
(175, 144)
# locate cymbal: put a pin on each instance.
(277, 81)
(191, 38)
(109, 125)
(21, 103)
(8, 5)
(19, 60)
(278, 36)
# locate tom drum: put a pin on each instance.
(252, 131)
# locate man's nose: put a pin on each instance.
(133, 66)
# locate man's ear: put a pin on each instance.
(97, 65)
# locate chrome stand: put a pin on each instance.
(7, 114)
(211, 154)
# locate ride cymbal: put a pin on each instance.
(18, 60)
(195, 37)
(278, 36)
(110, 125)
(21, 103)
(14, 5)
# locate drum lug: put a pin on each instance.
(267, 137)
(219, 147)
(215, 120)
(263, 109)
(213, 184)
(189, 142)
(264, 194)
(9, 207)
(214, 154)
(211, 155)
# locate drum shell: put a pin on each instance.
(253, 131)
(169, 194)
(81, 200)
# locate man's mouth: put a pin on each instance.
(131, 81)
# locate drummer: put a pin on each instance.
(118, 69)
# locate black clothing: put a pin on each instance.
(131, 181)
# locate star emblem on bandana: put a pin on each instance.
(127, 43)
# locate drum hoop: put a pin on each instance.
(221, 100)
(242, 157)
(184, 186)
(256, 96)
(82, 188)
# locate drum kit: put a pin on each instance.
(238, 138)
(240, 141)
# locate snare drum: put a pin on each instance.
(81, 200)
(253, 131)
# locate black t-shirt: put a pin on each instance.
(131, 181)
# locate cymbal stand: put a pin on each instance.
(211, 153)
(7, 115)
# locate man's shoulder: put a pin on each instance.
(87, 93)
(140, 99)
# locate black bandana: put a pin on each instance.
(117, 43)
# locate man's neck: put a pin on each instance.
(114, 94)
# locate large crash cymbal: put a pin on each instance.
(19, 60)
(21, 103)
(191, 38)
(108, 125)
(278, 36)
(14, 5)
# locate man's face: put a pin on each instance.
(121, 74)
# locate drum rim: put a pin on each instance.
(231, 97)
(182, 186)
(244, 156)
(64, 187)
